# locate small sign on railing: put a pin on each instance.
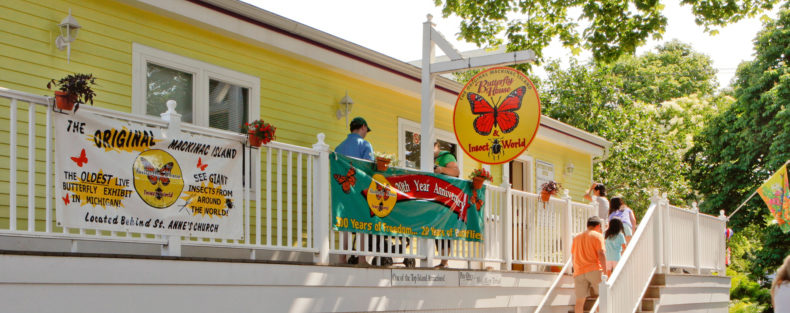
(116, 176)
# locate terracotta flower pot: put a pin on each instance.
(545, 196)
(255, 141)
(64, 101)
(477, 182)
(382, 164)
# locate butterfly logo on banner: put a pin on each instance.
(154, 174)
(348, 181)
(502, 114)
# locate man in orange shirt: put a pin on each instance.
(589, 260)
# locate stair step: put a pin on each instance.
(588, 304)
(649, 304)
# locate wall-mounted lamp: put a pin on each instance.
(345, 107)
(68, 33)
(569, 168)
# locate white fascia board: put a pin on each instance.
(242, 30)
(571, 137)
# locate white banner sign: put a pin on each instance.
(115, 176)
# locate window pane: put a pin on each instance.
(168, 84)
(412, 148)
(228, 105)
(412, 145)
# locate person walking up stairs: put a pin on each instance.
(589, 261)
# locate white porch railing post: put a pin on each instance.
(604, 296)
(321, 207)
(697, 238)
(566, 226)
(723, 268)
(507, 222)
(173, 245)
(659, 231)
(663, 207)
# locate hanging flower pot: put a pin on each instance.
(72, 90)
(258, 132)
(255, 141)
(64, 101)
(477, 182)
(545, 196)
(382, 164)
(478, 177)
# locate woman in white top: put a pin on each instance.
(780, 292)
(619, 210)
(597, 193)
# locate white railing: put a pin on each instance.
(283, 217)
(667, 237)
(286, 203)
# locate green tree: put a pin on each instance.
(748, 142)
(673, 70)
(609, 28)
(649, 137)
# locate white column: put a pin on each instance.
(426, 129)
(173, 245)
(565, 226)
(507, 222)
(321, 206)
(697, 238)
(658, 232)
(723, 268)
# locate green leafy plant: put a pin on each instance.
(260, 129)
(480, 172)
(387, 156)
(77, 86)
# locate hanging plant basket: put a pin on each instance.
(255, 141)
(258, 132)
(382, 164)
(545, 196)
(64, 101)
(477, 182)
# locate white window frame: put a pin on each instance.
(530, 180)
(553, 172)
(414, 127)
(202, 73)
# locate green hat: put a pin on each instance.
(357, 122)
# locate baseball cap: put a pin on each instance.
(357, 122)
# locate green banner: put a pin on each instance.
(401, 202)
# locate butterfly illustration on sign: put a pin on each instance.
(202, 166)
(81, 160)
(382, 192)
(348, 181)
(154, 174)
(502, 114)
(66, 199)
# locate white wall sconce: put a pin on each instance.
(345, 107)
(569, 168)
(68, 33)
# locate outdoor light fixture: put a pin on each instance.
(569, 168)
(345, 107)
(68, 33)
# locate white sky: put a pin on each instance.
(394, 28)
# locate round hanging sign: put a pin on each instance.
(497, 115)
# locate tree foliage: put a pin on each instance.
(748, 142)
(608, 28)
(649, 135)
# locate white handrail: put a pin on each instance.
(565, 269)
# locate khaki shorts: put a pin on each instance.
(584, 281)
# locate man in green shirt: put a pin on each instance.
(444, 163)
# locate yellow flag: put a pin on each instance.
(776, 194)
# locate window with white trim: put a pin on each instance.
(409, 144)
(206, 94)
